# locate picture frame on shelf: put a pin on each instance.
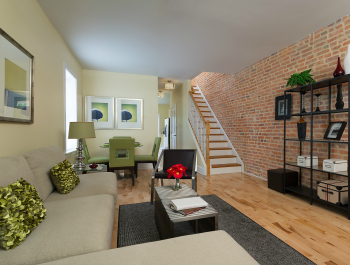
(129, 113)
(279, 107)
(100, 111)
(335, 130)
(17, 79)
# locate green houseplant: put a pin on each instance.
(300, 79)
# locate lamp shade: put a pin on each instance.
(81, 130)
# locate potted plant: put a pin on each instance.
(300, 79)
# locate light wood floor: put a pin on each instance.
(319, 232)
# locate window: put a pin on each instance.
(71, 108)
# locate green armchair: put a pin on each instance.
(114, 137)
(153, 158)
(122, 154)
(95, 159)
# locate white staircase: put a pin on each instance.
(223, 158)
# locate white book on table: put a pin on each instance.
(189, 203)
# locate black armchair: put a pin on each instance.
(186, 157)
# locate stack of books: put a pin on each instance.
(187, 206)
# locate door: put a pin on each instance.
(166, 133)
(173, 127)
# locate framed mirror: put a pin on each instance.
(16, 81)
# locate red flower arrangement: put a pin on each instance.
(176, 171)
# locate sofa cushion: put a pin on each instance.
(13, 168)
(72, 227)
(40, 162)
(21, 211)
(90, 184)
(64, 177)
(206, 248)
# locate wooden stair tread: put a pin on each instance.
(196, 93)
(213, 122)
(208, 116)
(220, 148)
(223, 156)
(215, 128)
(200, 102)
(216, 134)
(226, 165)
(218, 141)
(205, 111)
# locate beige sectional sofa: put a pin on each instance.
(77, 223)
(78, 227)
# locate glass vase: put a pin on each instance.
(177, 185)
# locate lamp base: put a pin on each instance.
(79, 165)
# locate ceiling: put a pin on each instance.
(177, 40)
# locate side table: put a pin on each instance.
(88, 169)
(202, 221)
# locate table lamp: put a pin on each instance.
(81, 130)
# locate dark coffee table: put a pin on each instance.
(202, 221)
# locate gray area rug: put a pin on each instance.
(136, 225)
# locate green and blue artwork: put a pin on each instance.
(99, 111)
(129, 112)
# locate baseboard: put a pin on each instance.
(255, 176)
(145, 166)
(201, 170)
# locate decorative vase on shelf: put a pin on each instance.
(340, 103)
(347, 62)
(303, 102)
(339, 71)
(318, 102)
(301, 129)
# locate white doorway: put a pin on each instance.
(158, 125)
(173, 127)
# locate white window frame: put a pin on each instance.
(66, 130)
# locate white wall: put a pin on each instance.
(118, 85)
(26, 23)
(184, 139)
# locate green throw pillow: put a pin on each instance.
(21, 210)
(64, 177)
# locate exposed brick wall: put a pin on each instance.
(245, 102)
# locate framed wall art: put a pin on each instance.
(129, 113)
(279, 107)
(100, 110)
(16, 81)
(335, 130)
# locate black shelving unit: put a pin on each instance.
(311, 192)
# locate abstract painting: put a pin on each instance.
(100, 110)
(129, 113)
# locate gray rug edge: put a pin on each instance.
(229, 205)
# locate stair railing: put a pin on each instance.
(200, 127)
